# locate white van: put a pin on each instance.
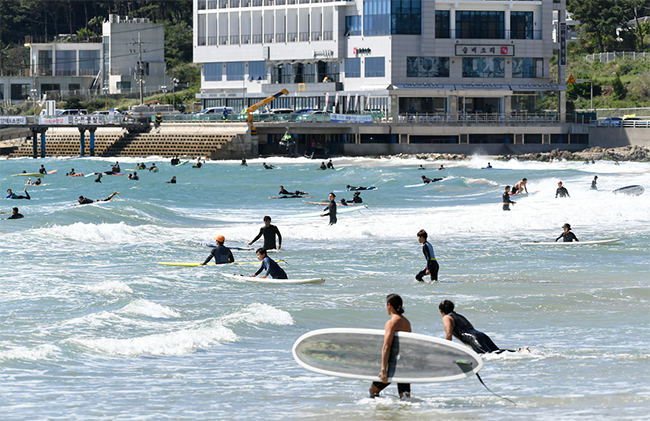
(75, 111)
(217, 110)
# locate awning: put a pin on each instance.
(534, 88)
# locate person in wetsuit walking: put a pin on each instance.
(269, 232)
(331, 209)
(432, 264)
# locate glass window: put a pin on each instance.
(212, 72)
(375, 67)
(89, 62)
(376, 17)
(45, 63)
(406, 17)
(20, 91)
(2, 91)
(257, 70)
(235, 70)
(427, 67)
(353, 67)
(353, 25)
(123, 85)
(66, 63)
(521, 25)
(483, 67)
(523, 67)
(480, 25)
(442, 23)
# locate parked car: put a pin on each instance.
(314, 115)
(56, 112)
(613, 122)
(74, 111)
(217, 110)
(635, 122)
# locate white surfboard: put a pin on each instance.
(356, 354)
(572, 243)
(635, 190)
(339, 209)
(276, 281)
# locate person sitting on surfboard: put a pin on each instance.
(12, 195)
(561, 190)
(72, 172)
(323, 166)
(427, 180)
(432, 264)
(221, 253)
(520, 187)
(567, 234)
(85, 201)
(331, 209)
(396, 323)
(506, 199)
(153, 168)
(42, 170)
(489, 165)
(133, 176)
(244, 163)
(593, 183)
(269, 265)
(269, 232)
(462, 329)
(330, 165)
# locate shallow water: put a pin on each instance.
(93, 327)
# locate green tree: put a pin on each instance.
(600, 18)
(619, 89)
(178, 43)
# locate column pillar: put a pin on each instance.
(43, 145)
(34, 144)
(82, 142)
(92, 141)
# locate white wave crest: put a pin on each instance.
(39, 352)
(149, 309)
(111, 287)
(257, 313)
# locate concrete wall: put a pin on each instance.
(364, 149)
(612, 137)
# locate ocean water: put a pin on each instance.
(93, 328)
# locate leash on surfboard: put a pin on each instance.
(373, 214)
(498, 396)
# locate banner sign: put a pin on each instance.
(485, 50)
(54, 120)
(13, 120)
(88, 119)
(350, 118)
(562, 44)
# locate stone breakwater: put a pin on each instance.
(625, 153)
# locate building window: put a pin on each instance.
(353, 67)
(66, 63)
(375, 67)
(398, 17)
(427, 67)
(235, 70)
(257, 70)
(2, 91)
(45, 63)
(523, 67)
(442, 23)
(123, 85)
(483, 67)
(19, 91)
(376, 17)
(212, 72)
(521, 25)
(480, 25)
(352, 25)
(89, 62)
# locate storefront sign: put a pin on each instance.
(13, 120)
(485, 50)
(350, 118)
(361, 51)
(563, 44)
(88, 119)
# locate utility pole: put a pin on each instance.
(140, 67)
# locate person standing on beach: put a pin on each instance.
(331, 209)
(432, 264)
(561, 191)
(396, 323)
(567, 235)
(221, 253)
(269, 232)
(506, 199)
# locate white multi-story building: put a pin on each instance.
(72, 67)
(449, 57)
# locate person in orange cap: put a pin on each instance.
(221, 253)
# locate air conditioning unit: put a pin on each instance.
(136, 20)
(145, 20)
(113, 18)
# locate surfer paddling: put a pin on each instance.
(432, 264)
(269, 232)
(458, 326)
(221, 253)
(12, 195)
(427, 180)
(567, 235)
(85, 201)
(268, 264)
(396, 323)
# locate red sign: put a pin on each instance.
(504, 50)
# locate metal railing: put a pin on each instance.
(279, 37)
(292, 36)
(245, 39)
(304, 36)
(223, 40)
(268, 38)
(614, 55)
(201, 41)
(234, 39)
(212, 40)
(257, 39)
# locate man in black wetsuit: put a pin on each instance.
(353, 188)
(15, 214)
(331, 209)
(267, 167)
(356, 198)
(506, 199)
(221, 253)
(567, 235)
(98, 179)
(12, 195)
(593, 183)
(269, 232)
(85, 201)
(462, 329)
(561, 191)
(323, 166)
(330, 165)
(42, 170)
(284, 191)
(427, 180)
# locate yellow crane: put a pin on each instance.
(249, 110)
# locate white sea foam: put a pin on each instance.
(147, 308)
(36, 353)
(181, 342)
(110, 287)
(257, 313)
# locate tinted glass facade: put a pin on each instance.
(483, 67)
(353, 67)
(89, 62)
(521, 25)
(523, 67)
(427, 66)
(66, 63)
(353, 25)
(442, 23)
(396, 17)
(480, 25)
(235, 70)
(375, 67)
(212, 72)
(257, 70)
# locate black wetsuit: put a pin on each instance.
(283, 191)
(427, 180)
(331, 211)
(268, 167)
(330, 165)
(272, 269)
(568, 237)
(42, 171)
(15, 196)
(86, 201)
(356, 199)
(269, 234)
(432, 263)
(98, 179)
(465, 332)
(593, 185)
(16, 216)
(506, 201)
(401, 387)
(221, 254)
(562, 192)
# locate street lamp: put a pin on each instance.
(105, 91)
(174, 85)
(164, 90)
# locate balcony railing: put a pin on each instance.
(223, 40)
(201, 4)
(223, 4)
(257, 3)
(212, 40)
(292, 36)
(304, 36)
(234, 3)
(245, 3)
(245, 39)
(315, 36)
(234, 39)
(268, 38)
(257, 39)
(328, 35)
(279, 37)
(66, 72)
(201, 40)
(212, 4)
